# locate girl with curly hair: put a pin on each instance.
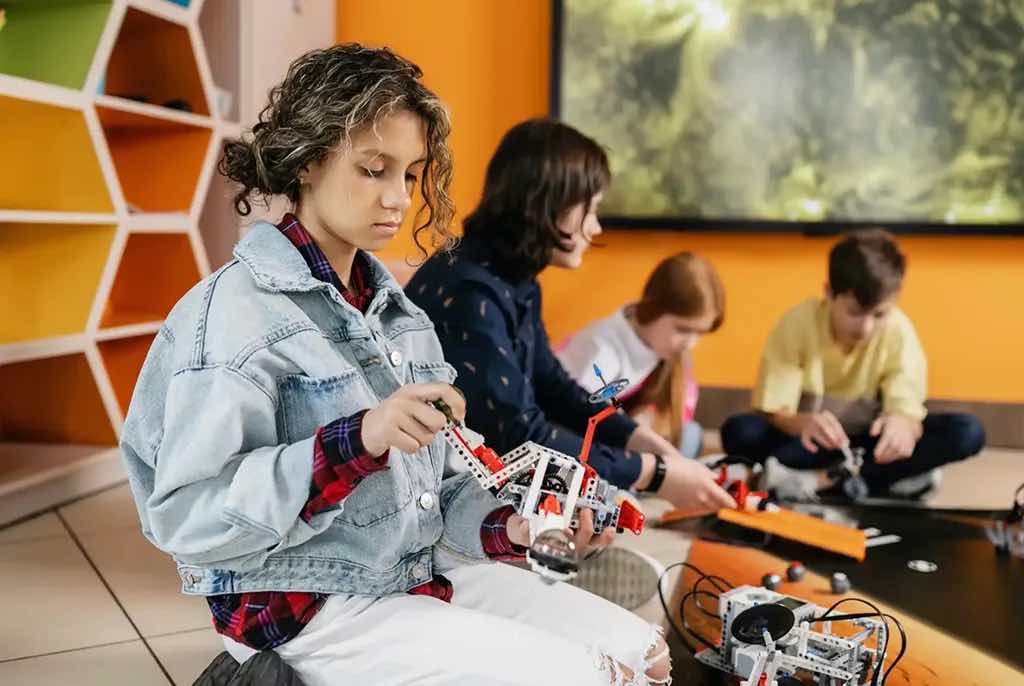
(281, 444)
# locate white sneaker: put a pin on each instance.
(917, 487)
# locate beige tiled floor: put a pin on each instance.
(59, 600)
(94, 603)
(184, 655)
(141, 577)
(120, 663)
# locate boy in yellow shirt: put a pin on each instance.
(848, 371)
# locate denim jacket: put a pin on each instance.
(218, 440)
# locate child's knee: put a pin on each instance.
(742, 433)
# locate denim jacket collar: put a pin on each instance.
(276, 265)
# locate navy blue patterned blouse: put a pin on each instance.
(516, 389)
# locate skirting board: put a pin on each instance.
(1003, 422)
(80, 478)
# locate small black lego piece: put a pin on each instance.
(442, 407)
(771, 581)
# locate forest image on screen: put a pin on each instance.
(802, 110)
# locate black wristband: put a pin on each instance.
(659, 475)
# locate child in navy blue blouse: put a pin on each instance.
(539, 206)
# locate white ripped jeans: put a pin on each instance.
(504, 626)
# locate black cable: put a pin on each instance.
(714, 580)
(686, 625)
(701, 575)
(717, 582)
(704, 610)
(668, 615)
(695, 593)
(877, 613)
(903, 649)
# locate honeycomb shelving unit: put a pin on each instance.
(110, 209)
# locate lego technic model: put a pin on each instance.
(768, 638)
(548, 488)
(746, 499)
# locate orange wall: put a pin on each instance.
(965, 296)
(489, 62)
(485, 59)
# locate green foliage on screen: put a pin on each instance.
(803, 110)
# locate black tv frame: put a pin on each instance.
(827, 227)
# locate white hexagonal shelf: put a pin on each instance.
(114, 105)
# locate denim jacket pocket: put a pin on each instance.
(309, 403)
(434, 372)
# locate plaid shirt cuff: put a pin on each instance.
(494, 536)
(340, 463)
(439, 587)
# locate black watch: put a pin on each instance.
(659, 475)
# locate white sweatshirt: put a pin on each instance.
(614, 346)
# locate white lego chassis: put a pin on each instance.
(545, 486)
(832, 660)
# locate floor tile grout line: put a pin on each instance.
(33, 515)
(67, 650)
(183, 631)
(34, 539)
(91, 494)
(81, 548)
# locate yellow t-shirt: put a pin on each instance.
(803, 370)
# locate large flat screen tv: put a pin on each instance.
(806, 115)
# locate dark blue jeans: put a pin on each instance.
(946, 438)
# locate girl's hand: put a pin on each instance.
(689, 485)
(407, 421)
(586, 541)
(518, 529)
